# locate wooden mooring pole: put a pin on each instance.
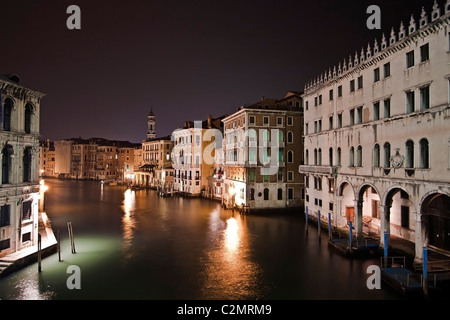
(58, 244)
(425, 271)
(72, 242)
(39, 252)
(318, 223)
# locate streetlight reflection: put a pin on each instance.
(128, 222)
(232, 235)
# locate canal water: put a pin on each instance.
(136, 245)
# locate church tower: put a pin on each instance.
(151, 130)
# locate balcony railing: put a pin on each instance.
(318, 169)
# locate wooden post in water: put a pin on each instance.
(306, 219)
(318, 223)
(350, 240)
(39, 252)
(329, 225)
(58, 244)
(425, 270)
(72, 242)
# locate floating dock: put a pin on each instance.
(358, 248)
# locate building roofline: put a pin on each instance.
(380, 51)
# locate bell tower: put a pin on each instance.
(151, 129)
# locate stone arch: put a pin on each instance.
(29, 115)
(398, 213)
(9, 105)
(342, 185)
(368, 210)
(346, 196)
(435, 213)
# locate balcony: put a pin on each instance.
(331, 170)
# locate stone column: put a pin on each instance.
(385, 224)
(420, 237)
(358, 217)
(338, 210)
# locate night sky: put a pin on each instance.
(184, 59)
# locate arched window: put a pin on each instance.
(319, 156)
(352, 157)
(280, 194)
(315, 157)
(424, 154)
(7, 110)
(376, 156)
(290, 156)
(306, 157)
(339, 156)
(6, 164)
(290, 137)
(266, 194)
(28, 114)
(409, 154)
(27, 164)
(359, 157)
(387, 155)
(330, 156)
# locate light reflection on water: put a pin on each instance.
(136, 245)
(230, 272)
(128, 224)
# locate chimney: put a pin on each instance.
(209, 121)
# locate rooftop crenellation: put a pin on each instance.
(362, 57)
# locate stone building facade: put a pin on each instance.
(47, 159)
(263, 147)
(19, 188)
(377, 136)
(193, 155)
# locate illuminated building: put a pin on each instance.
(47, 159)
(19, 191)
(193, 155)
(263, 147)
(377, 136)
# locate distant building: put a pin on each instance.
(377, 137)
(93, 159)
(153, 166)
(263, 147)
(47, 159)
(157, 164)
(84, 161)
(125, 166)
(193, 155)
(138, 159)
(63, 158)
(151, 125)
(19, 192)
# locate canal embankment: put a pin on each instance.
(32, 254)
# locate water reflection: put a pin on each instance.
(231, 236)
(32, 288)
(231, 273)
(128, 223)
